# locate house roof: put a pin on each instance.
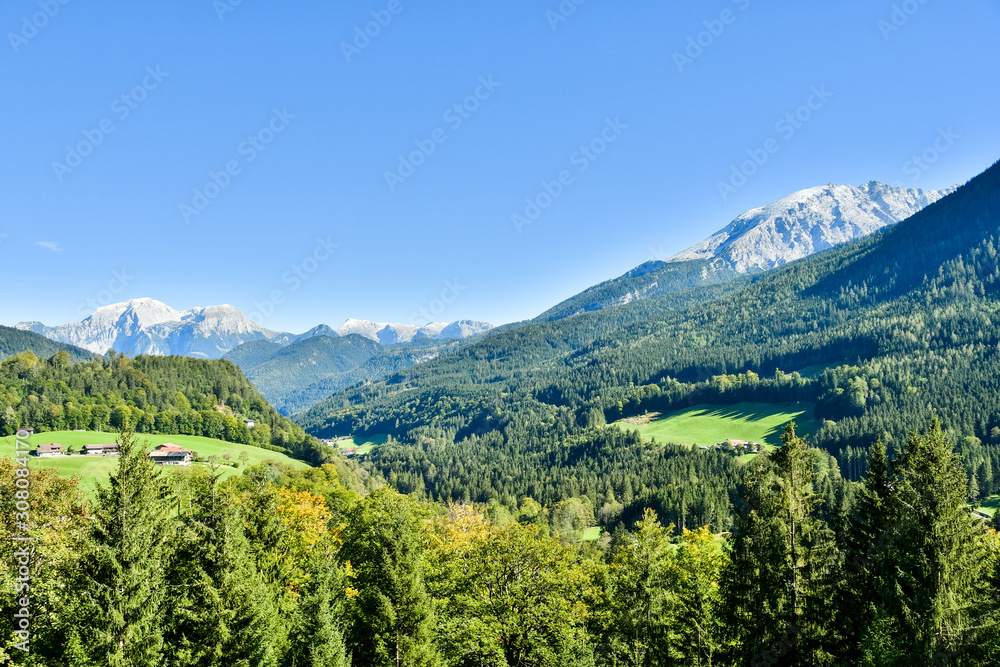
(171, 447)
(52, 447)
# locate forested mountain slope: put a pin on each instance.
(296, 377)
(15, 341)
(904, 318)
(165, 395)
(646, 281)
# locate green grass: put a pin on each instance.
(92, 469)
(591, 534)
(709, 424)
(362, 443)
(990, 505)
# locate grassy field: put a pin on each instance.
(361, 443)
(591, 534)
(92, 469)
(709, 424)
(990, 505)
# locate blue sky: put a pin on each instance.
(203, 152)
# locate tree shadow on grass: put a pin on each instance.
(801, 414)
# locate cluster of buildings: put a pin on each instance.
(56, 449)
(167, 454)
(738, 446)
(346, 451)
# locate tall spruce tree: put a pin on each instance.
(936, 573)
(392, 613)
(317, 637)
(777, 588)
(220, 611)
(866, 588)
(121, 584)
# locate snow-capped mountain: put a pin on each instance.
(388, 333)
(464, 329)
(801, 224)
(808, 221)
(147, 326)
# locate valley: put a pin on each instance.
(583, 441)
(563, 334)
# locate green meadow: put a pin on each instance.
(989, 505)
(362, 443)
(708, 424)
(92, 469)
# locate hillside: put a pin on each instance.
(643, 282)
(154, 395)
(307, 362)
(253, 353)
(296, 377)
(15, 341)
(904, 318)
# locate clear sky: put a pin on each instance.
(116, 113)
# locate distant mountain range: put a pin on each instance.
(388, 334)
(147, 326)
(789, 229)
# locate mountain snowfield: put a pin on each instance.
(388, 333)
(806, 222)
(147, 326)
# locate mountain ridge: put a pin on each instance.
(898, 323)
(388, 333)
(145, 326)
(808, 221)
(791, 228)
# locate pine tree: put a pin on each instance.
(317, 638)
(778, 586)
(392, 613)
(937, 560)
(220, 610)
(121, 585)
(870, 535)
